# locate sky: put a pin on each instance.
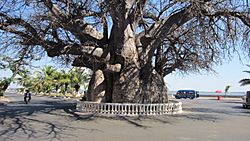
(229, 73)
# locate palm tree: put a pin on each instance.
(4, 83)
(25, 79)
(227, 89)
(79, 76)
(37, 86)
(245, 81)
(46, 78)
(56, 80)
(16, 66)
(64, 81)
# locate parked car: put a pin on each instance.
(186, 94)
(246, 100)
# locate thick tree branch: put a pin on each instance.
(86, 61)
(7, 21)
(113, 68)
(169, 24)
(83, 61)
(30, 37)
(77, 26)
(241, 15)
(160, 30)
(55, 49)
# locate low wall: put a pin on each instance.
(129, 109)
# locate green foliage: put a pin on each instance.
(54, 82)
(4, 83)
(245, 81)
(25, 79)
(227, 88)
(1, 94)
(78, 77)
(16, 65)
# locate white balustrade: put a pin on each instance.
(129, 109)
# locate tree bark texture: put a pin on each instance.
(132, 83)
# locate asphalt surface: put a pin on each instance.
(45, 118)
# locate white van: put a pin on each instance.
(246, 100)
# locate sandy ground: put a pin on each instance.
(203, 119)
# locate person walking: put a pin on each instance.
(27, 96)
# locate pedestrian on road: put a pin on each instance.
(27, 95)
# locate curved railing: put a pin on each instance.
(129, 109)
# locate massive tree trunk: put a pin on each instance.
(96, 90)
(136, 81)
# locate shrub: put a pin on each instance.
(1, 93)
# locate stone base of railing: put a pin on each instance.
(129, 109)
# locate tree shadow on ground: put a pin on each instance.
(19, 120)
(133, 121)
(171, 119)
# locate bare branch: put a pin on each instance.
(54, 49)
(83, 31)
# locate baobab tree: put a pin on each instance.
(130, 45)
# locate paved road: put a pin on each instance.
(20, 121)
(52, 119)
(37, 102)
